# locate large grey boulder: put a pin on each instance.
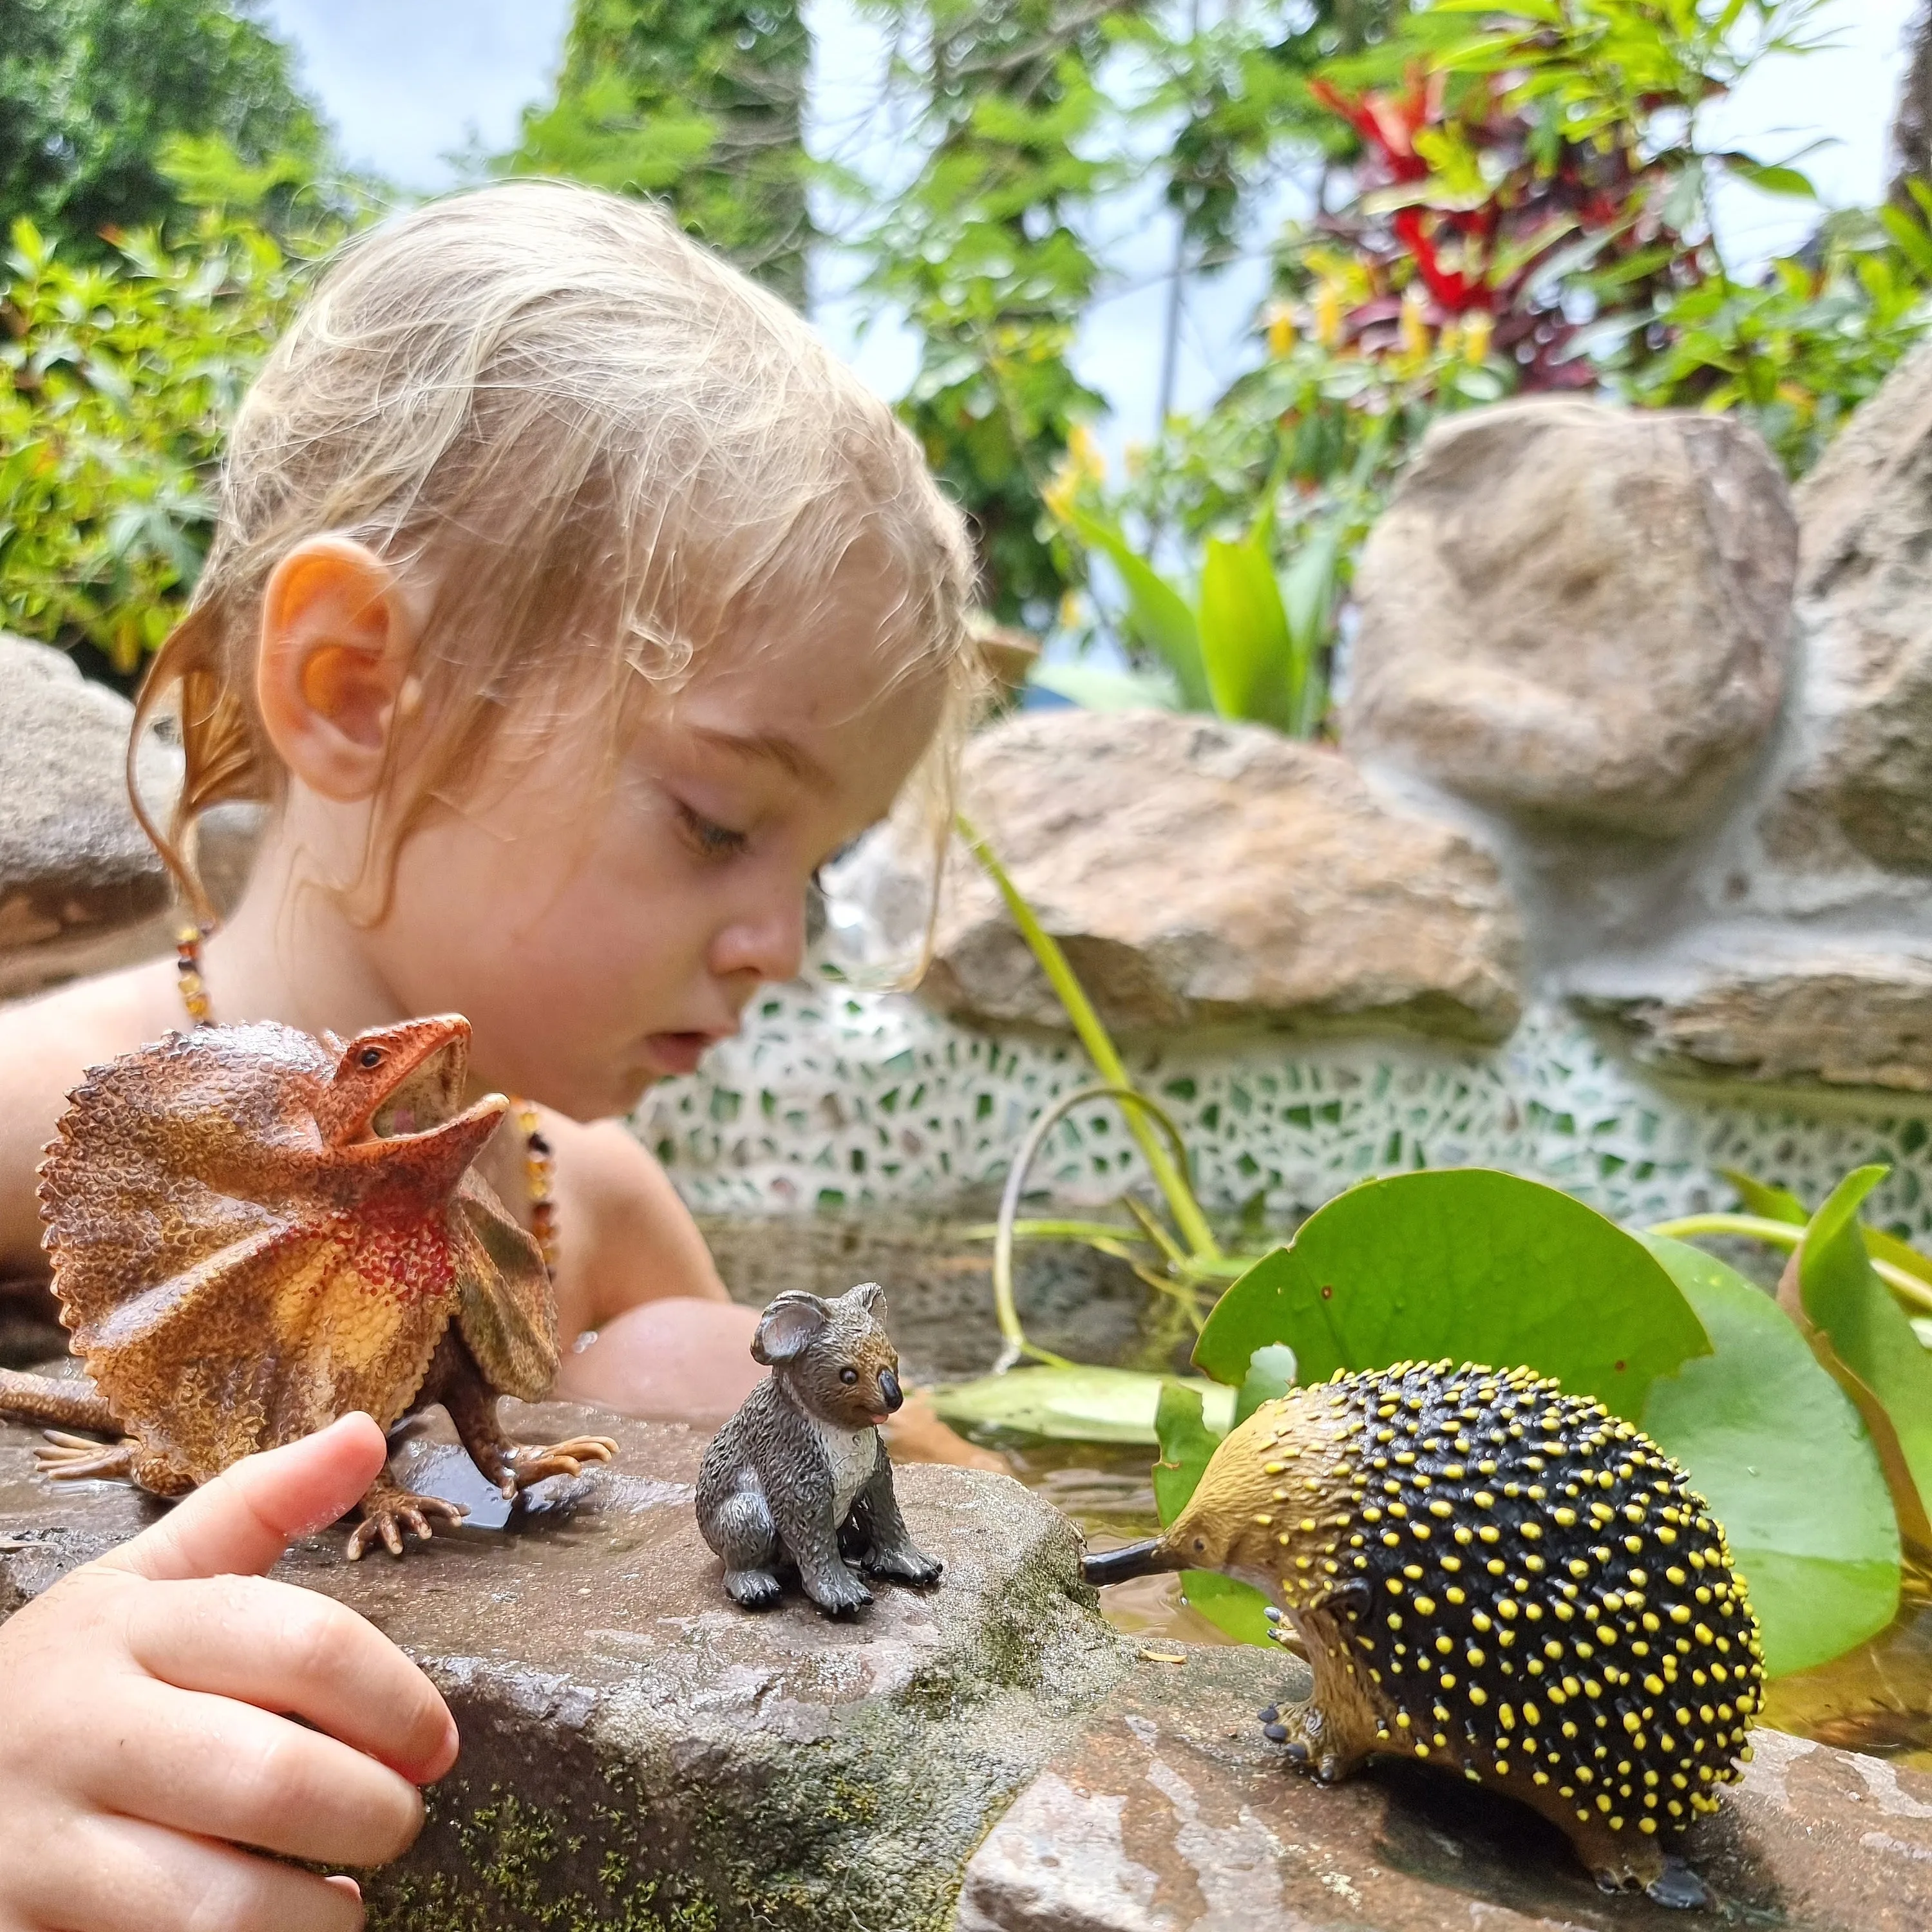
(1202, 873)
(1861, 786)
(81, 888)
(1578, 613)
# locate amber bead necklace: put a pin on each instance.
(539, 1161)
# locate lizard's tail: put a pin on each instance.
(56, 1402)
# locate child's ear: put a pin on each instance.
(332, 675)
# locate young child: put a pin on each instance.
(570, 604)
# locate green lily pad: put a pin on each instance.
(1072, 1405)
(1475, 1265)
(1778, 1449)
(1187, 1444)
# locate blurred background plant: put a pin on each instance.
(1492, 195)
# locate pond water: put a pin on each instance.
(1876, 1699)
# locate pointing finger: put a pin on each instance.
(241, 1522)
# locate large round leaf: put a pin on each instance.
(1478, 1266)
(1778, 1449)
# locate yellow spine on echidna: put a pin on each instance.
(1494, 1578)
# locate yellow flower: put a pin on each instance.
(1280, 329)
(1414, 330)
(1450, 341)
(1070, 608)
(1476, 334)
(1083, 454)
(1328, 315)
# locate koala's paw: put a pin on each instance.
(904, 1566)
(751, 1589)
(840, 1600)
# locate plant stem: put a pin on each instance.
(1915, 1294)
(1169, 1176)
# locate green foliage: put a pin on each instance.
(1781, 1456)
(1255, 644)
(1866, 1339)
(92, 91)
(118, 381)
(1480, 1267)
(699, 102)
(982, 252)
(1186, 1443)
(1474, 1265)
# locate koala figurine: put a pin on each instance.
(800, 1474)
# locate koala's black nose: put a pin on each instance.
(890, 1391)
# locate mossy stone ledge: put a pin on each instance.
(988, 1757)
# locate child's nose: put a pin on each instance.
(768, 942)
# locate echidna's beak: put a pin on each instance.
(1150, 1559)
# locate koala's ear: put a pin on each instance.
(786, 1327)
(869, 1297)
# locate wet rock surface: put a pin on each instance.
(989, 1756)
(637, 1753)
(1576, 612)
(1171, 1814)
(1200, 873)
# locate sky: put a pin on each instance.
(412, 84)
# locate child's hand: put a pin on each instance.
(139, 1724)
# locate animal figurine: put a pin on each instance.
(1498, 1579)
(800, 1475)
(253, 1232)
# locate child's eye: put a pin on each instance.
(712, 840)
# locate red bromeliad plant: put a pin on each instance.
(1467, 218)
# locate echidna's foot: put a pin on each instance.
(76, 1459)
(529, 1464)
(1281, 1631)
(751, 1589)
(1308, 1740)
(387, 1513)
(1677, 1886)
(1622, 1859)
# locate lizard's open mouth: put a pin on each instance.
(426, 1096)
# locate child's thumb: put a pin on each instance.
(239, 1524)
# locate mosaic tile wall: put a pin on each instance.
(842, 1099)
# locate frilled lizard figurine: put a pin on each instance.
(254, 1232)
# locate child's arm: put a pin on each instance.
(634, 1269)
(144, 1745)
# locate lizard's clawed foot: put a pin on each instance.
(530, 1463)
(387, 1513)
(74, 1459)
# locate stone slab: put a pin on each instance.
(1848, 1013)
(1172, 1814)
(1202, 873)
(637, 1753)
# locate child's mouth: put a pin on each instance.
(674, 1053)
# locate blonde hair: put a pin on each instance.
(594, 443)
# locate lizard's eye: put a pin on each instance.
(848, 1374)
(370, 1056)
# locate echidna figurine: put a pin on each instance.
(1499, 1580)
